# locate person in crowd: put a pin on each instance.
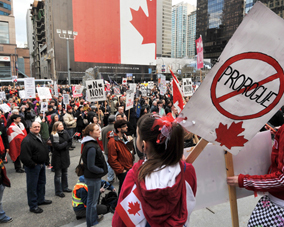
(91, 113)
(168, 108)
(61, 112)
(120, 157)
(70, 122)
(34, 155)
(9, 121)
(51, 110)
(130, 127)
(54, 118)
(272, 183)
(105, 132)
(94, 169)
(80, 120)
(44, 127)
(106, 111)
(154, 107)
(16, 133)
(100, 115)
(4, 144)
(162, 177)
(61, 142)
(161, 111)
(120, 110)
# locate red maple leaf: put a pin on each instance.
(134, 208)
(146, 26)
(229, 137)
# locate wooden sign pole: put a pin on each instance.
(232, 190)
(196, 151)
(128, 114)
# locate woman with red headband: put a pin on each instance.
(160, 190)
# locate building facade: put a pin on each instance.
(13, 61)
(191, 31)
(180, 21)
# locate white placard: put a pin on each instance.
(245, 87)
(116, 90)
(124, 81)
(129, 99)
(132, 87)
(96, 90)
(5, 108)
(43, 93)
(150, 85)
(55, 87)
(29, 87)
(66, 99)
(77, 91)
(22, 94)
(163, 85)
(212, 188)
(187, 87)
(2, 95)
(44, 107)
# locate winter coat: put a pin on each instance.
(61, 142)
(69, 121)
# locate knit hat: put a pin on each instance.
(69, 107)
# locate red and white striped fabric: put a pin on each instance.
(15, 134)
(115, 31)
(177, 94)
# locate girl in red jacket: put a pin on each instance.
(160, 190)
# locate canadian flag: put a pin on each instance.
(15, 134)
(130, 210)
(177, 94)
(115, 31)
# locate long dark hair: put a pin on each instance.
(158, 155)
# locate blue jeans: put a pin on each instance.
(60, 180)
(2, 212)
(94, 186)
(110, 174)
(36, 181)
(70, 131)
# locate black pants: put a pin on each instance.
(17, 163)
(121, 178)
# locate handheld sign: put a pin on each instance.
(150, 85)
(132, 87)
(22, 94)
(245, 87)
(2, 95)
(66, 99)
(187, 87)
(163, 85)
(95, 90)
(5, 108)
(55, 89)
(116, 90)
(43, 93)
(77, 91)
(29, 87)
(129, 99)
(44, 107)
(124, 81)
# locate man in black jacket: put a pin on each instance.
(34, 155)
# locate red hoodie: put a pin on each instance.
(161, 207)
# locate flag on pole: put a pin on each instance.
(177, 94)
(112, 82)
(199, 49)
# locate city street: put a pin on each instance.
(60, 212)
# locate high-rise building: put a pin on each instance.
(216, 21)
(180, 14)
(164, 23)
(13, 61)
(277, 6)
(191, 31)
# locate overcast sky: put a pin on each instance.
(20, 11)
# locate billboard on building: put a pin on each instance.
(115, 31)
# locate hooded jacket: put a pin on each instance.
(167, 196)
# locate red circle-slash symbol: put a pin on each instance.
(254, 56)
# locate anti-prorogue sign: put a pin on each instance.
(245, 87)
(95, 90)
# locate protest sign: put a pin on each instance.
(211, 170)
(129, 99)
(14, 79)
(199, 50)
(55, 89)
(66, 99)
(163, 86)
(5, 108)
(187, 87)
(96, 90)
(44, 107)
(245, 87)
(116, 90)
(2, 95)
(43, 93)
(132, 87)
(29, 87)
(124, 81)
(77, 91)
(22, 94)
(150, 85)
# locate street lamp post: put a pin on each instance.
(67, 35)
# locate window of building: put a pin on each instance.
(5, 5)
(4, 32)
(4, 13)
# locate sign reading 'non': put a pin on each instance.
(95, 90)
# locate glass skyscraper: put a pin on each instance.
(191, 30)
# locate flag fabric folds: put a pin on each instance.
(177, 94)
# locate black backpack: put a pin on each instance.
(110, 200)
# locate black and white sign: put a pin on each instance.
(55, 89)
(2, 95)
(66, 99)
(187, 87)
(44, 107)
(95, 90)
(150, 85)
(29, 88)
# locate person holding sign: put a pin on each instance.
(163, 186)
(266, 210)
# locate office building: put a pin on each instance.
(191, 31)
(180, 22)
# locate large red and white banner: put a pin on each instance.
(115, 31)
(199, 50)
